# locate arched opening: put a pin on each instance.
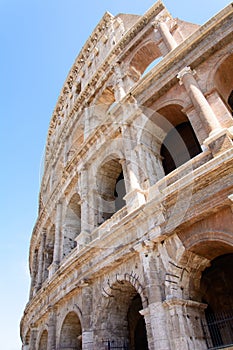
(71, 333)
(224, 81)
(111, 189)
(48, 252)
(179, 146)
(72, 224)
(180, 143)
(137, 327)
(143, 57)
(217, 293)
(152, 65)
(43, 344)
(125, 326)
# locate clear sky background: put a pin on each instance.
(39, 41)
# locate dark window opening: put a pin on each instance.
(137, 326)
(119, 192)
(179, 146)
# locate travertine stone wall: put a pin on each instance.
(135, 205)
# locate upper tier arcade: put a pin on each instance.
(135, 206)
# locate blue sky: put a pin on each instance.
(40, 40)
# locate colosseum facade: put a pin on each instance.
(133, 244)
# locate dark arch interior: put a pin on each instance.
(179, 146)
(119, 192)
(125, 326)
(43, 341)
(137, 327)
(223, 81)
(111, 187)
(217, 293)
(71, 333)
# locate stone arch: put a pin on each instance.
(186, 262)
(160, 130)
(221, 78)
(146, 53)
(43, 342)
(132, 278)
(71, 332)
(179, 132)
(110, 186)
(120, 312)
(219, 242)
(186, 257)
(72, 224)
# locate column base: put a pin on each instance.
(134, 199)
(184, 323)
(156, 325)
(53, 268)
(219, 141)
(82, 240)
(87, 340)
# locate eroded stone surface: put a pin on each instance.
(135, 209)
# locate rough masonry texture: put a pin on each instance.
(133, 245)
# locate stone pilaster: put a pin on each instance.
(52, 328)
(87, 312)
(184, 324)
(33, 337)
(58, 239)
(41, 260)
(135, 196)
(87, 122)
(154, 314)
(119, 88)
(150, 164)
(34, 273)
(87, 212)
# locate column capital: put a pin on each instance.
(158, 21)
(183, 72)
(183, 302)
(145, 246)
